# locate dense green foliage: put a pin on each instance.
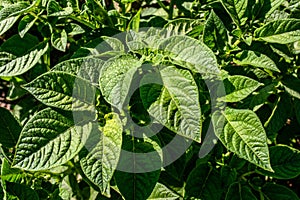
(204, 103)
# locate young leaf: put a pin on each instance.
(215, 33)
(59, 40)
(174, 105)
(237, 191)
(285, 162)
(63, 90)
(239, 87)
(203, 183)
(241, 132)
(49, 139)
(281, 31)
(115, 79)
(255, 59)
(273, 191)
(24, 63)
(162, 192)
(101, 162)
(25, 24)
(191, 54)
(10, 129)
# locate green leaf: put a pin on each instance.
(292, 86)
(49, 139)
(137, 185)
(25, 24)
(237, 191)
(215, 33)
(9, 15)
(10, 174)
(237, 9)
(273, 191)
(191, 54)
(63, 90)
(282, 31)
(24, 63)
(255, 59)
(269, 7)
(261, 97)
(285, 162)
(87, 68)
(75, 29)
(65, 187)
(115, 79)
(239, 87)
(7, 23)
(101, 162)
(203, 183)
(242, 133)
(54, 9)
(19, 46)
(174, 105)
(10, 129)
(160, 192)
(21, 191)
(59, 40)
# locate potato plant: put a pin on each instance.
(141, 100)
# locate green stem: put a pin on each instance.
(162, 6)
(171, 9)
